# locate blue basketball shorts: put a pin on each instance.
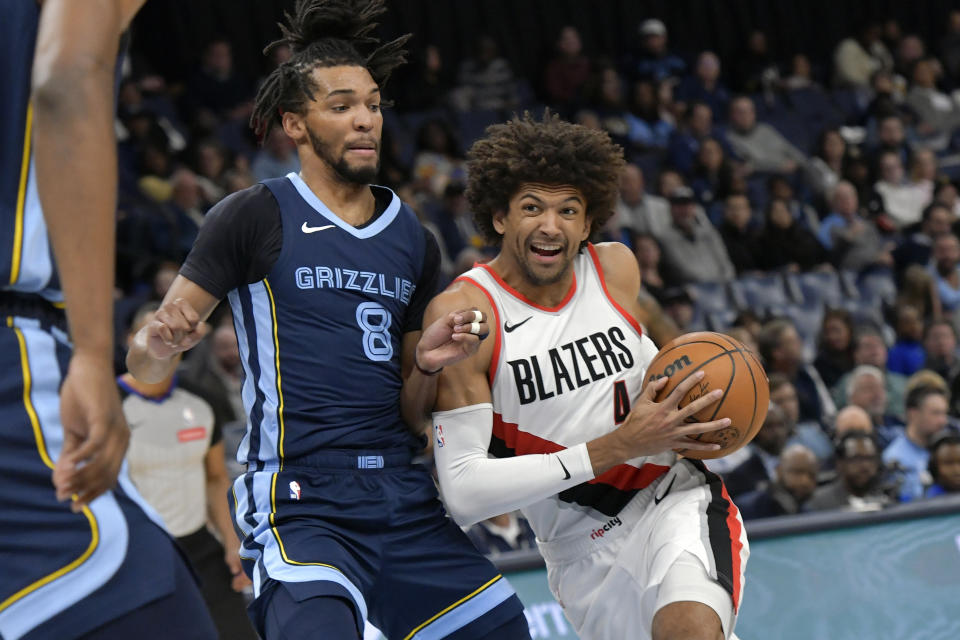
(63, 574)
(368, 527)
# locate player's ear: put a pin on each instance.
(293, 125)
(498, 224)
(587, 227)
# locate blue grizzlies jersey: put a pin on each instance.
(26, 260)
(320, 336)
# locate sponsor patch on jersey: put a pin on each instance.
(191, 434)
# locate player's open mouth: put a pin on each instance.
(546, 250)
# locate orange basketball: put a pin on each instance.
(727, 365)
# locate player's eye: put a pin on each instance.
(569, 211)
(340, 108)
(375, 108)
(529, 208)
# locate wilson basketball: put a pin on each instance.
(727, 365)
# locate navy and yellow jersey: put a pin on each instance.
(320, 308)
(26, 260)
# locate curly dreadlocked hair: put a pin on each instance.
(552, 152)
(323, 33)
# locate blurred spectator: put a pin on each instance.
(910, 52)
(945, 193)
(764, 454)
(738, 236)
(176, 460)
(809, 433)
(858, 485)
(503, 533)
(678, 306)
(567, 71)
(647, 250)
(638, 210)
(944, 464)
(903, 200)
(746, 338)
(917, 247)
(865, 390)
(438, 161)
(605, 93)
(653, 61)
(852, 419)
(869, 348)
(835, 346)
(940, 350)
(218, 92)
(697, 126)
(891, 136)
(795, 481)
(784, 243)
(907, 355)
(692, 248)
(210, 165)
(917, 288)
(801, 73)
(782, 352)
(705, 85)
(852, 240)
(758, 144)
(486, 81)
(757, 70)
(428, 84)
(651, 124)
(946, 271)
(277, 158)
(825, 168)
(888, 100)
(713, 179)
(856, 58)
(926, 415)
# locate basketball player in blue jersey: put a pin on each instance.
(83, 559)
(328, 278)
(549, 416)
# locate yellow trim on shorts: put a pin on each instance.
(453, 606)
(276, 352)
(41, 447)
(21, 199)
(276, 534)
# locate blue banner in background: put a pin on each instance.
(893, 575)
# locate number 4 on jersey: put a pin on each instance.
(621, 402)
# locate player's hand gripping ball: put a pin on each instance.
(727, 365)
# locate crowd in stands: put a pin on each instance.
(807, 206)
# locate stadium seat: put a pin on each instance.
(877, 288)
(710, 296)
(765, 291)
(820, 289)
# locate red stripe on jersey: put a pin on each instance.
(522, 298)
(193, 433)
(497, 339)
(603, 283)
(623, 476)
(735, 545)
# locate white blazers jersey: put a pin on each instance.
(566, 375)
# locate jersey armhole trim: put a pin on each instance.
(606, 292)
(497, 339)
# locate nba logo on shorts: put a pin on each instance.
(439, 429)
(294, 490)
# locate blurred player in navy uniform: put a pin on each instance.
(97, 566)
(328, 278)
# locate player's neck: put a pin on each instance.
(150, 390)
(545, 295)
(353, 203)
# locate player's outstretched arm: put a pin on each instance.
(75, 154)
(177, 326)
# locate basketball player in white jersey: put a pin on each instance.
(549, 416)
